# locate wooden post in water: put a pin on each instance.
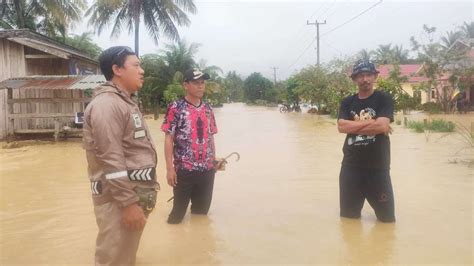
(11, 122)
(56, 129)
(472, 130)
(157, 112)
(11, 129)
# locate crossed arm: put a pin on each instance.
(370, 127)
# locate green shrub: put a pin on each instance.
(334, 115)
(173, 92)
(419, 127)
(440, 125)
(432, 108)
(437, 125)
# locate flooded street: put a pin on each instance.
(278, 205)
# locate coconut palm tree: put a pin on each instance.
(84, 43)
(180, 56)
(365, 55)
(384, 54)
(467, 30)
(10, 20)
(50, 17)
(450, 38)
(213, 71)
(19, 9)
(58, 15)
(399, 55)
(158, 17)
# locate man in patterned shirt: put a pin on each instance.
(190, 126)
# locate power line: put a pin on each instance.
(297, 37)
(306, 49)
(320, 7)
(327, 9)
(336, 9)
(352, 19)
(300, 30)
(301, 55)
(332, 47)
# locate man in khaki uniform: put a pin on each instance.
(121, 159)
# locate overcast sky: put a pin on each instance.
(253, 36)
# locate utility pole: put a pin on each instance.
(274, 74)
(317, 33)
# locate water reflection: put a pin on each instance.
(372, 247)
(193, 241)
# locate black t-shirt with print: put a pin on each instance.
(367, 151)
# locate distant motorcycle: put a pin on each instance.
(286, 108)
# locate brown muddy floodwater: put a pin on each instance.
(278, 205)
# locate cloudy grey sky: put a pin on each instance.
(253, 36)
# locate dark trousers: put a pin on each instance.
(195, 186)
(358, 184)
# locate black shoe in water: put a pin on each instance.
(173, 220)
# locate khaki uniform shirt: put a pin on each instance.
(120, 152)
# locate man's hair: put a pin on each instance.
(115, 55)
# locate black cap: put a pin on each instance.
(363, 66)
(195, 74)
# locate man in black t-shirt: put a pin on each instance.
(365, 172)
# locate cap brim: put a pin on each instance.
(203, 76)
(362, 71)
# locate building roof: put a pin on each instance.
(462, 43)
(409, 71)
(88, 82)
(45, 44)
(54, 82)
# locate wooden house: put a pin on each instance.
(44, 104)
(26, 53)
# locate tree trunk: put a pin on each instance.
(4, 8)
(137, 31)
(136, 6)
(19, 15)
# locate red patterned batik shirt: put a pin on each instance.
(192, 128)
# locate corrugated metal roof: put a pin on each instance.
(88, 82)
(54, 82)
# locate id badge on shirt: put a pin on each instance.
(139, 130)
(139, 134)
(137, 121)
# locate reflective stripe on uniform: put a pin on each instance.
(96, 187)
(116, 175)
(147, 174)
